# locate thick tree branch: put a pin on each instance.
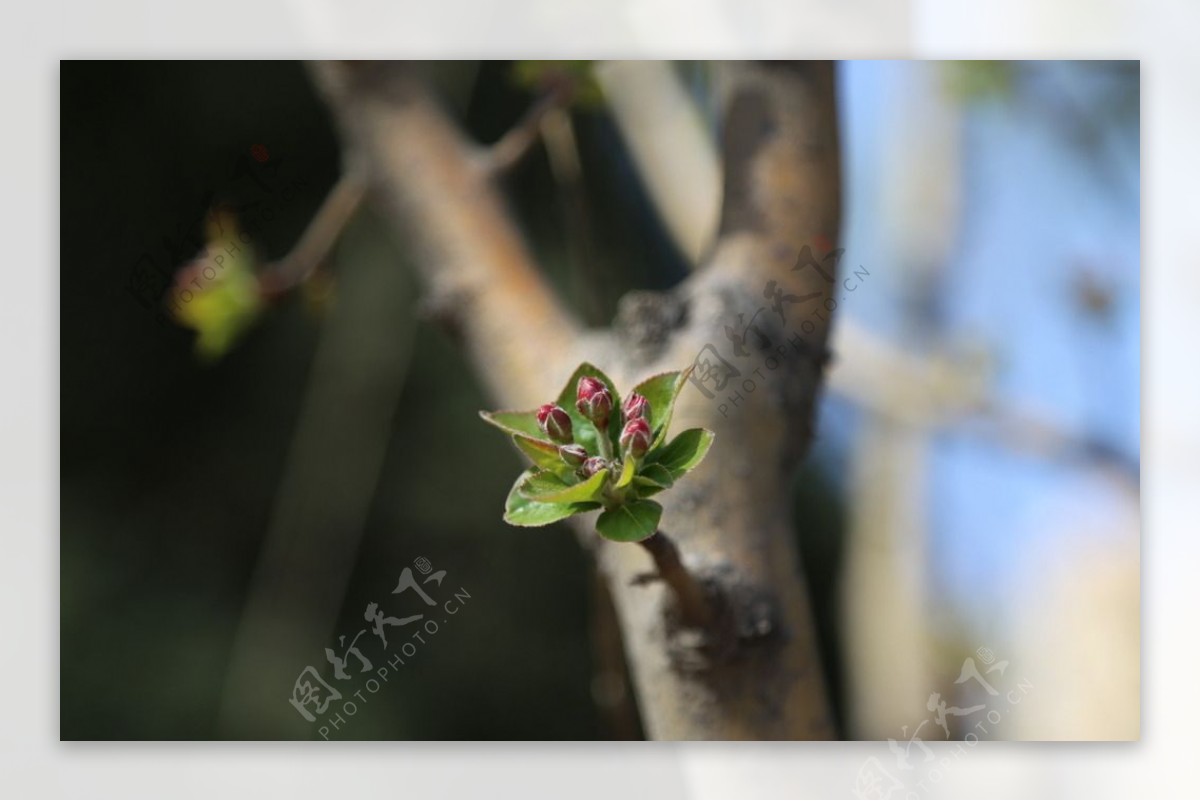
(731, 518)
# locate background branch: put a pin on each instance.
(480, 280)
(508, 151)
(318, 239)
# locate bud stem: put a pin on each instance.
(605, 442)
(694, 604)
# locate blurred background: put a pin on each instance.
(973, 494)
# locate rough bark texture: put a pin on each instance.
(757, 676)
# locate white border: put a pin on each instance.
(36, 35)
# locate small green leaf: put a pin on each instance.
(548, 488)
(585, 432)
(542, 483)
(223, 308)
(645, 489)
(629, 522)
(539, 75)
(656, 475)
(543, 454)
(521, 511)
(627, 471)
(516, 423)
(652, 479)
(684, 452)
(661, 391)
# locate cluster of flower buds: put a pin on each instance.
(555, 423)
(595, 403)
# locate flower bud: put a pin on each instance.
(555, 423)
(635, 438)
(636, 407)
(594, 401)
(593, 466)
(573, 455)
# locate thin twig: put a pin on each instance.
(694, 604)
(508, 151)
(318, 239)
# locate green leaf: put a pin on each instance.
(516, 423)
(539, 75)
(542, 454)
(630, 522)
(521, 511)
(645, 489)
(627, 471)
(585, 432)
(655, 475)
(546, 487)
(541, 483)
(684, 452)
(652, 479)
(661, 391)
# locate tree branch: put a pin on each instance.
(437, 189)
(731, 517)
(696, 608)
(508, 151)
(318, 238)
(671, 146)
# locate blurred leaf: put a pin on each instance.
(217, 293)
(977, 81)
(543, 75)
(319, 291)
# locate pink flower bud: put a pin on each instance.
(573, 455)
(594, 401)
(555, 423)
(636, 407)
(593, 466)
(635, 438)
